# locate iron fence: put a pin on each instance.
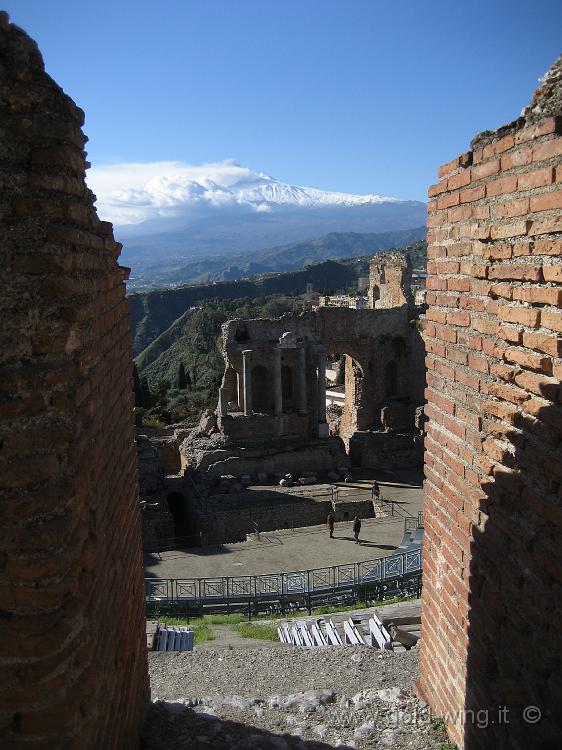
(398, 574)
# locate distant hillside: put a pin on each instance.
(154, 312)
(180, 328)
(289, 257)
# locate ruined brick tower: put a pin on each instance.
(492, 600)
(72, 647)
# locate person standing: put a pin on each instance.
(330, 521)
(356, 528)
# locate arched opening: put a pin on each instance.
(344, 394)
(184, 528)
(287, 387)
(261, 399)
(391, 379)
(241, 335)
(230, 385)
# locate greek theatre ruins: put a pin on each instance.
(274, 383)
(72, 638)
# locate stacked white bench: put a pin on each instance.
(325, 633)
(170, 638)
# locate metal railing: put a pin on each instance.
(392, 575)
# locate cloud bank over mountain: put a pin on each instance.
(170, 215)
(132, 193)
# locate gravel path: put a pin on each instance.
(285, 698)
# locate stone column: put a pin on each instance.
(277, 385)
(247, 374)
(301, 379)
(321, 350)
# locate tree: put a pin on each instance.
(182, 379)
(161, 387)
(137, 390)
(145, 394)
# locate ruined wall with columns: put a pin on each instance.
(72, 643)
(274, 381)
(492, 559)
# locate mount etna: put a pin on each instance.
(185, 224)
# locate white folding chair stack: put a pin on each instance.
(380, 637)
(306, 639)
(174, 639)
(332, 634)
(318, 635)
(351, 634)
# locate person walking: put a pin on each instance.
(375, 490)
(330, 521)
(356, 528)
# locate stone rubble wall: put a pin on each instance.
(492, 604)
(157, 521)
(230, 518)
(72, 642)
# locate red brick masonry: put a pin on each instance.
(492, 600)
(72, 648)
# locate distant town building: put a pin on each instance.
(310, 298)
(343, 300)
(418, 286)
(419, 296)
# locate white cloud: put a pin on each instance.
(130, 193)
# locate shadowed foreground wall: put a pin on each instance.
(72, 648)
(492, 599)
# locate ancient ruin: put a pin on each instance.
(274, 382)
(72, 617)
(72, 643)
(272, 427)
(492, 571)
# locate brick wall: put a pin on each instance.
(72, 651)
(492, 600)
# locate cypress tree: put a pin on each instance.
(145, 394)
(137, 390)
(181, 379)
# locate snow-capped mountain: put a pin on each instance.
(133, 193)
(169, 214)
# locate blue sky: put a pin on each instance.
(358, 96)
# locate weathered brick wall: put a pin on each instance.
(72, 649)
(492, 600)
